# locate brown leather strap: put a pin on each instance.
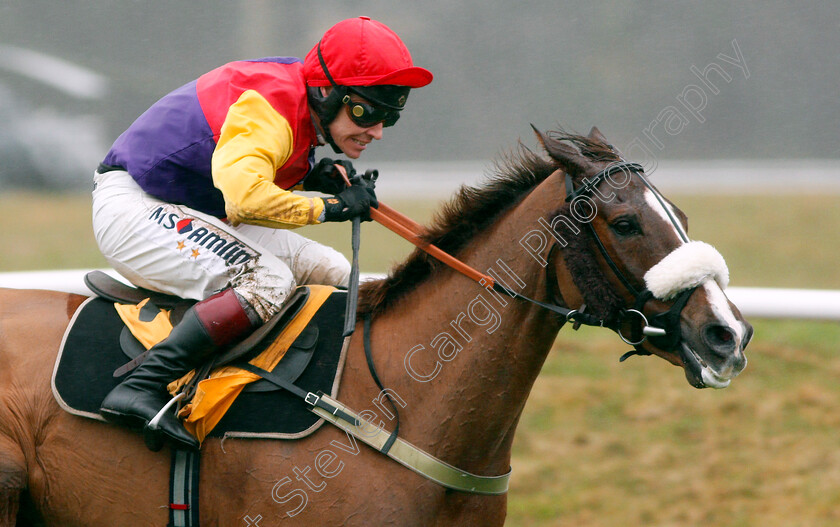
(413, 232)
(396, 222)
(130, 365)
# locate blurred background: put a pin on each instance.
(732, 105)
(75, 74)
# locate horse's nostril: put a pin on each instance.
(723, 334)
(720, 338)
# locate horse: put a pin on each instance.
(458, 360)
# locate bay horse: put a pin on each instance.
(459, 361)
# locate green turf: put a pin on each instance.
(607, 444)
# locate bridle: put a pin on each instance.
(663, 329)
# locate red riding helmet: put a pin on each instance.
(363, 52)
(365, 57)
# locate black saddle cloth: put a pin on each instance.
(91, 351)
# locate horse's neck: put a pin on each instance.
(468, 357)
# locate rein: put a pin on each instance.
(663, 329)
(413, 232)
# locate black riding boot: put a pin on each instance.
(205, 328)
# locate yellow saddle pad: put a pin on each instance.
(147, 332)
(215, 395)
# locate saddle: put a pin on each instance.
(302, 345)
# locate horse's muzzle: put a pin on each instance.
(722, 358)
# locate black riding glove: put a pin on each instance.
(354, 201)
(325, 178)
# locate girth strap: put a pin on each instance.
(183, 488)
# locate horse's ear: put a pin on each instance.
(596, 135)
(566, 154)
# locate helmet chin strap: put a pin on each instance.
(326, 108)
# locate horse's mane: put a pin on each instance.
(471, 211)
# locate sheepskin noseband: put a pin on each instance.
(686, 267)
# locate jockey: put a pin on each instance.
(195, 198)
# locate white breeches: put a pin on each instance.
(177, 250)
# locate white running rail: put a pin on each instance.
(756, 302)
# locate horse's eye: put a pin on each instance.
(625, 227)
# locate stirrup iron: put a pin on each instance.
(153, 424)
(152, 436)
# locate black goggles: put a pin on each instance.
(367, 115)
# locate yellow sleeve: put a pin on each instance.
(255, 141)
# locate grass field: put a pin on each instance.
(631, 444)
